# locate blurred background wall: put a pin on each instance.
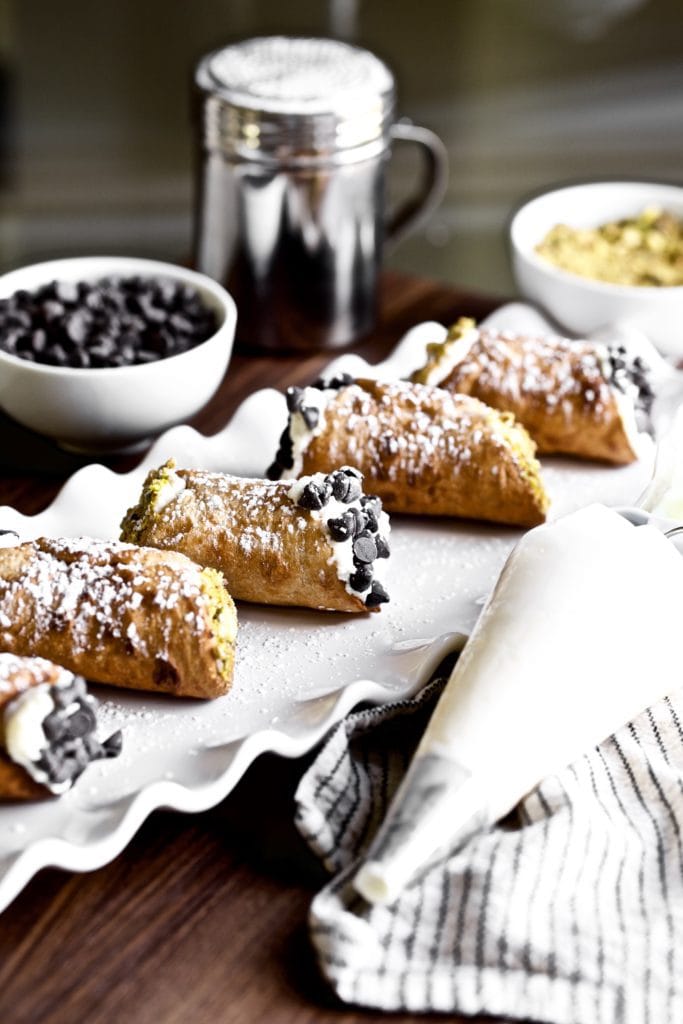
(96, 147)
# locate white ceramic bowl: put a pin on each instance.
(579, 304)
(114, 408)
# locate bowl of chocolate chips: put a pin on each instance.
(103, 352)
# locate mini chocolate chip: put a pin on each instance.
(274, 471)
(180, 323)
(10, 339)
(383, 549)
(377, 595)
(55, 726)
(364, 547)
(342, 528)
(81, 359)
(66, 291)
(39, 340)
(312, 497)
(361, 579)
(311, 416)
(283, 460)
(81, 722)
(373, 502)
(341, 485)
(57, 355)
(359, 520)
(355, 490)
(146, 356)
(112, 746)
(77, 326)
(342, 380)
(93, 746)
(52, 310)
(294, 398)
(372, 523)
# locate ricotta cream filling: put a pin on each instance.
(300, 434)
(446, 355)
(25, 739)
(342, 551)
(169, 488)
(626, 399)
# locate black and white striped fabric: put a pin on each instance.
(570, 912)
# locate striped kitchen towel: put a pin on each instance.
(570, 911)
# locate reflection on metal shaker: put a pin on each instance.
(295, 135)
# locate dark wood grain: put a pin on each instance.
(202, 918)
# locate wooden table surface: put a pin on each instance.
(202, 918)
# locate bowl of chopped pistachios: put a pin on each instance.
(600, 253)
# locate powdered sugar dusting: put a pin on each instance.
(250, 514)
(399, 428)
(90, 588)
(18, 674)
(548, 370)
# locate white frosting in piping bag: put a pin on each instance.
(580, 634)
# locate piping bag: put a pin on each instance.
(580, 634)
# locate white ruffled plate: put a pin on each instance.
(297, 672)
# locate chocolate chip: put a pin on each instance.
(112, 747)
(351, 471)
(311, 416)
(52, 310)
(274, 471)
(377, 595)
(294, 398)
(361, 579)
(364, 547)
(382, 545)
(342, 380)
(371, 520)
(359, 520)
(66, 291)
(81, 722)
(341, 485)
(77, 326)
(355, 490)
(314, 496)
(627, 373)
(112, 322)
(55, 726)
(342, 528)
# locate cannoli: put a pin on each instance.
(119, 614)
(313, 542)
(580, 398)
(47, 729)
(421, 449)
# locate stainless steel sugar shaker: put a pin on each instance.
(294, 136)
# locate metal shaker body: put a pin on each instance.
(298, 248)
(294, 140)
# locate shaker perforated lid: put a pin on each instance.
(294, 98)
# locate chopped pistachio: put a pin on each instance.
(643, 250)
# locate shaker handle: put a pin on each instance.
(416, 209)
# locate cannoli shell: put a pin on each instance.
(425, 451)
(118, 614)
(555, 387)
(15, 781)
(269, 550)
